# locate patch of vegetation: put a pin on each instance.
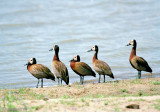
(123, 90)
(36, 96)
(115, 84)
(140, 93)
(155, 82)
(135, 81)
(83, 99)
(10, 101)
(157, 106)
(67, 102)
(100, 96)
(23, 90)
(105, 102)
(34, 108)
(87, 103)
(116, 109)
(65, 96)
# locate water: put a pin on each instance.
(30, 28)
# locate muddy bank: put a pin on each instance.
(111, 96)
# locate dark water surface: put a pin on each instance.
(30, 28)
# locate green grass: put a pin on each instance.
(155, 82)
(65, 97)
(135, 81)
(87, 104)
(100, 96)
(116, 109)
(115, 84)
(12, 98)
(23, 90)
(34, 108)
(36, 96)
(9, 101)
(83, 99)
(105, 102)
(123, 90)
(140, 93)
(157, 105)
(71, 103)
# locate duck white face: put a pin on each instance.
(75, 58)
(32, 61)
(93, 48)
(131, 42)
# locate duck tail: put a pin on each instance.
(149, 70)
(112, 76)
(52, 77)
(67, 80)
(94, 74)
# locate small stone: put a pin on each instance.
(133, 106)
(45, 99)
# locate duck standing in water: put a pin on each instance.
(99, 66)
(39, 71)
(81, 68)
(138, 62)
(59, 68)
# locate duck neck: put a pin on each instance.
(72, 64)
(56, 56)
(28, 66)
(95, 57)
(133, 52)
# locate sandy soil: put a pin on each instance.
(92, 97)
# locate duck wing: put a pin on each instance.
(83, 69)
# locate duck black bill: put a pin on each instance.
(26, 64)
(51, 49)
(128, 44)
(89, 50)
(71, 60)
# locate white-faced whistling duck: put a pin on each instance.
(59, 68)
(81, 68)
(138, 62)
(39, 71)
(99, 66)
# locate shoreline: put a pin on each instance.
(110, 96)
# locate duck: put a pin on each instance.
(39, 71)
(101, 67)
(138, 62)
(59, 68)
(81, 68)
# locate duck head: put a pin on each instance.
(132, 42)
(55, 48)
(94, 48)
(76, 58)
(31, 61)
